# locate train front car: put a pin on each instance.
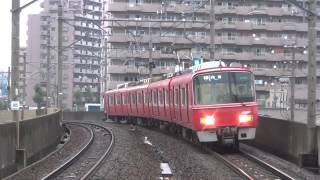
(224, 107)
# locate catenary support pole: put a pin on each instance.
(312, 79)
(15, 48)
(59, 92)
(292, 83)
(212, 30)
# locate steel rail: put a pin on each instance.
(267, 166)
(64, 166)
(228, 163)
(104, 156)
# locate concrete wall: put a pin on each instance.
(82, 116)
(281, 137)
(38, 136)
(7, 148)
(6, 116)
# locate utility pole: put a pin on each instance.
(48, 69)
(15, 47)
(24, 84)
(212, 31)
(24, 77)
(59, 92)
(9, 87)
(312, 79)
(150, 51)
(292, 83)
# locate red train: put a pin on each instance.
(211, 102)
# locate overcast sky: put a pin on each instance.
(5, 29)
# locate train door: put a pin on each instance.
(129, 104)
(163, 97)
(155, 102)
(112, 108)
(167, 104)
(172, 104)
(177, 103)
(183, 104)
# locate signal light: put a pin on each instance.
(207, 120)
(245, 117)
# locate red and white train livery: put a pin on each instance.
(213, 101)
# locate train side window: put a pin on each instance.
(139, 98)
(160, 96)
(150, 97)
(117, 100)
(129, 98)
(166, 97)
(183, 96)
(145, 98)
(133, 98)
(176, 95)
(155, 99)
(111, 99)
(123, 99)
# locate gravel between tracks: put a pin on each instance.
(42, 168)
(288, 167)
(133, 159)
(90, 157)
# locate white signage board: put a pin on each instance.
(15, 105)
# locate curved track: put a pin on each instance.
(248, 166)
(83, 156)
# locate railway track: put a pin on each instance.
(89, 158)
(248, 166)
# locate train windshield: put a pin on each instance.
(223, 87)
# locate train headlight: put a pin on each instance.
(207, 120)
(245, 117)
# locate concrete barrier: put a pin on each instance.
(281, 137)
(6, 116)
(7, 149)
(82, 116)
(38, 136)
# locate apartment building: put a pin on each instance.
(81, 51)
(269, 36)
(22, 70)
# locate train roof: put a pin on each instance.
(211, 66)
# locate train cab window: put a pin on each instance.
(224, 87)
(183, 96)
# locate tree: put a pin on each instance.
(89, 95)
(77, 96)
(39, 96)
(3, 105)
